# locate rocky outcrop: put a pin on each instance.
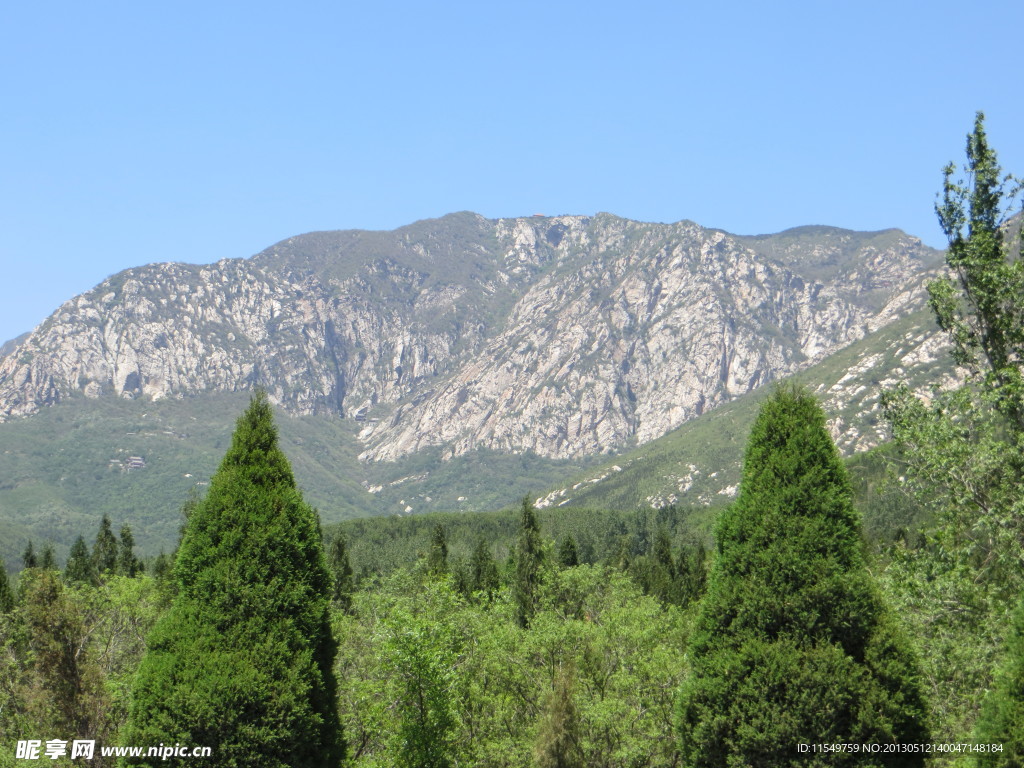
(565, 336)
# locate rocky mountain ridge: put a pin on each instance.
(563, 336)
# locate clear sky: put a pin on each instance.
(135, 132)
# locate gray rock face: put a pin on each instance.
(565, 336)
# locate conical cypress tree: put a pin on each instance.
(80, 567)
(127, 563)
(437, 559)
(242, 660)
(529, 556)
(344, 580)
(104, 550)
(568, 554)
(28, 557)
(793, 644)
(483, 570)
(663, 552)
(49, 559)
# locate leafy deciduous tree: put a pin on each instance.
(983, 311)
(963, 450)
(1002, 715)
(67, 676)
(558, 737)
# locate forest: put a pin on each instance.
(579, 637)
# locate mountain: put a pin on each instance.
(9, 346)
(567, 336)
(700, 461)
(493, 353)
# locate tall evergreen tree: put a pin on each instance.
(529, 554)
(568, 554)
(80, 567)
(663, 551)
(483, 570)
(49, 558)
(6, 593)
(437, 558)
(104, 550)
(341, 568)
(242, 661)
(793, 644)
(127, 563)
(28, 557)
(691, 574)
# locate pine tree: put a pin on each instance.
(49, 558)
(568, 554)
(161, 566)
(663, 552)
(1002, 715)
(341, 568)
(28, 557)
(6, 593)
(242, 660)
(104, 550)
(793, 644)
(483, 570)
(529, 558)
(80, 567)
(691, 574)
(127, 563)
(437, 559)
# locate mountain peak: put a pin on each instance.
(562, 335)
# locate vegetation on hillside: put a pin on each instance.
(793, 643)
(242, 660)
(579, 637)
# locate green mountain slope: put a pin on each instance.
(136, 461)
(699, 462)
(452, 364)
(66, 466)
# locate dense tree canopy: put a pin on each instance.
(242, 660)
(793, 644)
(962, 449)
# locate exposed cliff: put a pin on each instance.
(565, 336)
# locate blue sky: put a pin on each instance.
(141, 132)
